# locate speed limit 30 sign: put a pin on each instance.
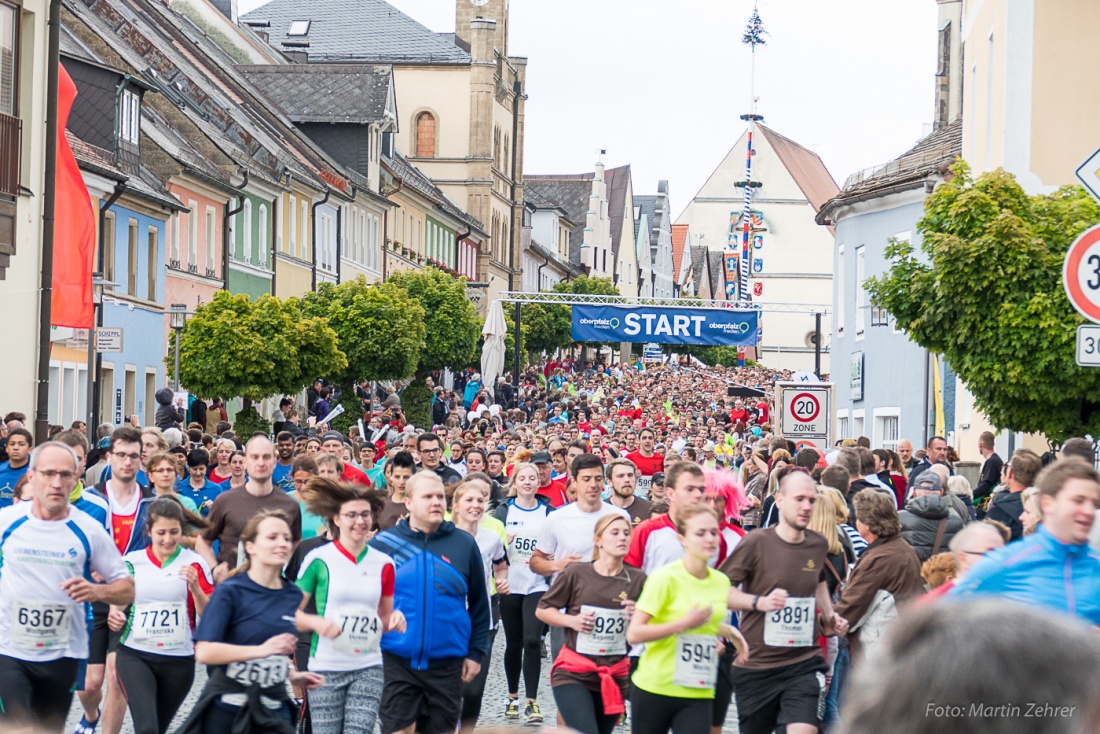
(1081, 274)
(804, 410)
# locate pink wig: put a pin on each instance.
(726, 483)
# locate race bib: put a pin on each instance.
(161, 624)
(521, 550)
(265, 672)
(696, 661)
(362, 632)
(608, 635)
(791, 626)
(40, 625)
(642, 487)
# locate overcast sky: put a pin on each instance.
(660, 84)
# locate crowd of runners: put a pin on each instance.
(642, 532)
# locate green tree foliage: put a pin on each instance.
(453, 328)
(987, 295)
(546, 328)
(236, 347)
(380, 329)
(416, 403)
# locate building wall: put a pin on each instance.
(628, 255)
(894, 367)
(19, 289)
(250, 236)
(293, 264)
(797, 253)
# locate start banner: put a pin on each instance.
(663, 325)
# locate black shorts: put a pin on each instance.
(723, 688)
(431, 699)
(792, 694)
(102, 639)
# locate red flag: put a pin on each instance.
(74, 226)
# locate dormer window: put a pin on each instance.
(299, 28)
(129, 115)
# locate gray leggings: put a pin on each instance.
(347, 702)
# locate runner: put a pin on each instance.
(247, 634)
(49, 552)
(160, 467)
(648, 462)
(333, 443)
(1053, 567)
(430, 448)
(237, 475)
(469, 502)
(398, 470)
(283, 475)
(197, 487)
(156, 655)
(567, 535)
(352, 587)
(623, 477)
(18, 448)
(424, 675)
(220, 472)
(128, 502)
(590, 677)
(781, 574)
(524, 517)
(233, 510)
(678, 618)
(81, 499)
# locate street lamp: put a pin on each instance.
(178, 313)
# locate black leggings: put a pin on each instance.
(651, 713)
(523, 641)
(36, 693)
(474, 691)
(581, 709)
(155, 687)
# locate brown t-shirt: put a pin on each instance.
(578, 585)
(234, 508)
(638, 510)
(391, 513)
(762, 562)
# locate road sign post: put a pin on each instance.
(1088, 346)
(806, 413)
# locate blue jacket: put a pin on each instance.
(1040, 569)
(139, 538)
(439, 585)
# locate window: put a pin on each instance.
(857, 423)
(132, 259)
(9, 47)
(263, 237)
(293, 246)
(425, 135)
(247, 213)
(109, 249)
(174, 254)
(842, 424)
(193, 237)
(129, 127)
(346, 247)
(298, 28)
(840, 292)
(887, 428)
(211, 236)
(304, 223)
(861, 294)
(151, 264)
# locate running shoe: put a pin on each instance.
(511, 711)
(83, 727)
(532, 713)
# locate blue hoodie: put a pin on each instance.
(439, 585)
(1039, 570)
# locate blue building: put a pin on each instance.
(886, 386)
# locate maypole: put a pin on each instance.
(753, 37)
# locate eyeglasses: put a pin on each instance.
(65, 476)
(127, 457)
(353, 516)
(431, 451)
(164, 470)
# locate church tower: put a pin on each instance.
(494, 10)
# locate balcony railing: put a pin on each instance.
(11, 131)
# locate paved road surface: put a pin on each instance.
(492, 711)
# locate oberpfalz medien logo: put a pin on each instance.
(600, 323)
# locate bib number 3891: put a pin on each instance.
(793, 625)
(696, 661)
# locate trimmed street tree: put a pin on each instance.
(987, 294)
(380, 330)
(546, 328)
(236, 347)
(452, 333)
